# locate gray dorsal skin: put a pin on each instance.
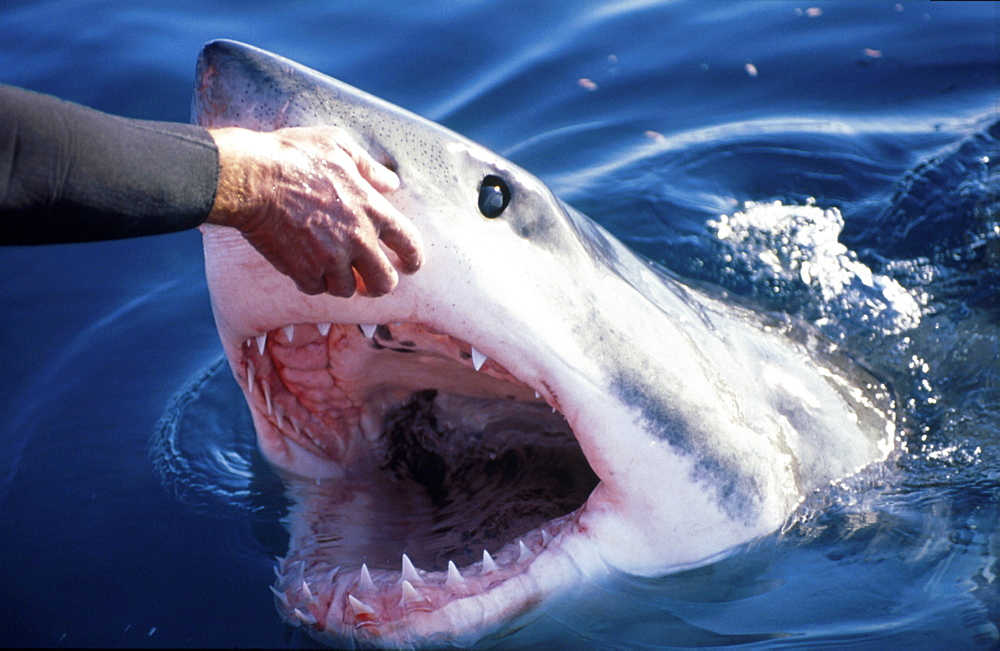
(705, 423)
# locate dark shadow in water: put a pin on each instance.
(205, 451)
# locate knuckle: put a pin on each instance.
(310, 287)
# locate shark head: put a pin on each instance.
(533, 409)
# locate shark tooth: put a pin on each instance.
(454, 578)
(489, 564)
(409, 572)
(306, 592)
(360, 607)
(368, 330)
(324, 328)
(329, 576)
(280, 596)
(411, 595)
(261, 340)
(267, 397)
(478, 359)
(365, 582)
(289, 331)
(305, 618)
(523, 551)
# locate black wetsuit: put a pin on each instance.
(72, 174)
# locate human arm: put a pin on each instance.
(72, 174)
(308, 199)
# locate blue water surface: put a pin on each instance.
(655, 118)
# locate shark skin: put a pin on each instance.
(703, 423)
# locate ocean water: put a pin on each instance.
(836, 161)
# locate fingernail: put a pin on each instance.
(390, 178)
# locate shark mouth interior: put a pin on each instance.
(452, 478)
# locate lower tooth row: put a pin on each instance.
(409, 580)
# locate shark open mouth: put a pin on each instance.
(439, 487)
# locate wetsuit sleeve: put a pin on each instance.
(72, 174)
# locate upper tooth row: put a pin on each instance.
(478, 358)
(289, 330)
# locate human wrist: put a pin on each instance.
(237, 196)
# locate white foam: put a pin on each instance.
(799, 246)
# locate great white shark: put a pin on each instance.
(530, 334)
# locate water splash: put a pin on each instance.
(794, 250)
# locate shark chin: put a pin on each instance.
(535, 409)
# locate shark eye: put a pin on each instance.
(494, 195)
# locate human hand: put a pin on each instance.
(309, 199)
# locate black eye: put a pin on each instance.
(494, 195)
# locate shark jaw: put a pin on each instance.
(437, 495)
